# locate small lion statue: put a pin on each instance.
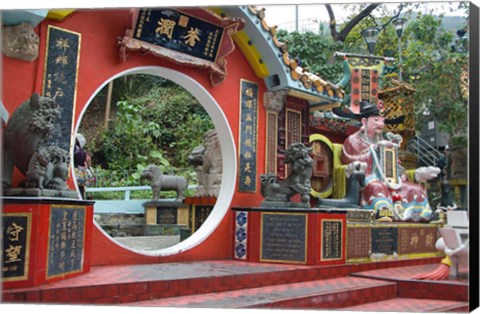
(161, 182)
(278, 193)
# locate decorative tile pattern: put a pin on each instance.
(241, 223)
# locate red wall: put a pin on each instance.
(99, 60)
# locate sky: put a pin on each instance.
(30, 4)
(279, 14)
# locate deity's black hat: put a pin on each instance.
(367, 109)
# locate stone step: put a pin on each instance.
(318, 294)
(412, 305)
(134, 283)
(128, 283)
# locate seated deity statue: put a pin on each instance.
(386, 188)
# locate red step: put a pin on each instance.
(129, 283)
(448, 289)
(412, 305)
(318, 294)
(134, 283)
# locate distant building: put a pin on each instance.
(433, 136)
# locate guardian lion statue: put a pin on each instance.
(25, 137)
(161, 182)
(278, 193)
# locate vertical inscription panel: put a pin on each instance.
(294, 127)
(201, 214)
(60, 81)
(358, 245)
(271, 145)
(385, 240)
(247, 172)
(332, 230)
(66, 240)
(283, 238)
(16, 234)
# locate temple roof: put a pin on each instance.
(270, 59)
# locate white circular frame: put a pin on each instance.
(227, 145)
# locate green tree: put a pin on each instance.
(160, 124)
(315, 52)
(428, 63)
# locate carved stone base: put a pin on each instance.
(163, 212)
(40, 193)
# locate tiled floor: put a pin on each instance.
(234, 284)
(406, 273)
(411, 305)
(328, 292)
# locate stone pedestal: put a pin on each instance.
(45, 240)
(300, 236)
(165, 217)
(327, 237)
(370, 242)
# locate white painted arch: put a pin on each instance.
(227, 145)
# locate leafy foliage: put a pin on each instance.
(156, 122)
(315, 52)
(437, 72)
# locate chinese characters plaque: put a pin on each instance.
(60, 80)
(284, 238)
(294, 127)
(190, 36)
(167, 215)
(201, 214)
(384, 240)
(364, 86)
(180, 32)
(331, 239)
(358, 245)
(271, 143)
(16, 233)
(66, 240)
(248, 137)
(417, 240)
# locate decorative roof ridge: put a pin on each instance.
(399, 85)
(297, 73)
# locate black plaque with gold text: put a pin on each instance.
(283, 237)
(332, 238)
(60, 81)
(66, 240)
(16, 233)
(179, 31)
(385, 240)
(247, 172)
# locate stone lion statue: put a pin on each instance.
(278, 193)
(25, 146)
(161, 182)
(207, 159)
